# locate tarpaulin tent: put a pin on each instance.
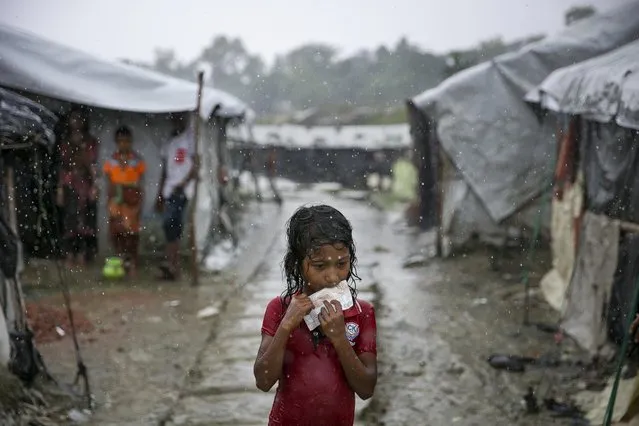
(603, 89)
(33, 64)
(602, 96)
(23, 121)
(500, 156)
(307, 154)
(26, 129)
(117, 94)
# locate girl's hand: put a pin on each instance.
(299, 307)
(332, 321)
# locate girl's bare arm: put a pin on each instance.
(270, 358)
(360, 371)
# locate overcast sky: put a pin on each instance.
(133, 28)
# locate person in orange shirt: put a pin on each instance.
(125, 177)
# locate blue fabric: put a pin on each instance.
(173, 222)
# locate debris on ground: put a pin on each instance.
(514, 363)
(172, 303)
(208, 312)
(50, 323)
(563, 409)
(530, 402)
(480, 301)
(77, 416)
(418, 260)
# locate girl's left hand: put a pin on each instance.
(332, 320)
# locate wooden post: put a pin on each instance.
(18, 317)
(195, 277)
(439, 246)
(11, 198)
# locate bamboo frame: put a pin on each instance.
(195, 270)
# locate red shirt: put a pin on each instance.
(313, 390)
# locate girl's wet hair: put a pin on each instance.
(307, 230)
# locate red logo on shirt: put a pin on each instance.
(180, 155)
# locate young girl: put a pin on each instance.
(124, 171)
(318, 372)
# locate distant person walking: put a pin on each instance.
(176, 187)
(271, 172)
(248, 164)
(125, 181)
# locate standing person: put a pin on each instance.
(179, 170)
(271, 168)
(318, 372)
(76, 191)
(78, 121)
(248, 163)
(124, 171)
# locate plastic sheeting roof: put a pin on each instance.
(603, 89)
(364, 137)
(40, 66)
(22, 118)
(491, 134)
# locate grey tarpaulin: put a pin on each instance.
(611, 168)
(603, 89)
(21, 118)
(588, 296)
(36, 65)
(623, 287)
(114, 94)
(490, 133)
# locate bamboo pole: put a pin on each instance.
(440, 161)
(19, 316)
(629, 227)
(195, 272)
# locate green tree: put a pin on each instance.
(313, 75)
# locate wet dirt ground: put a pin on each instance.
(155, 363)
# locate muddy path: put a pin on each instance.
(146, 334)
(153, 361)
(439, 324)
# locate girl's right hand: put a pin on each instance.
(299, 307)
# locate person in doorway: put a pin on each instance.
(179, 168)
(78, 122)
(271, 168)
(124, 171)
(319, 372)
(76, 192)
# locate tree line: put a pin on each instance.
(314, 76)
